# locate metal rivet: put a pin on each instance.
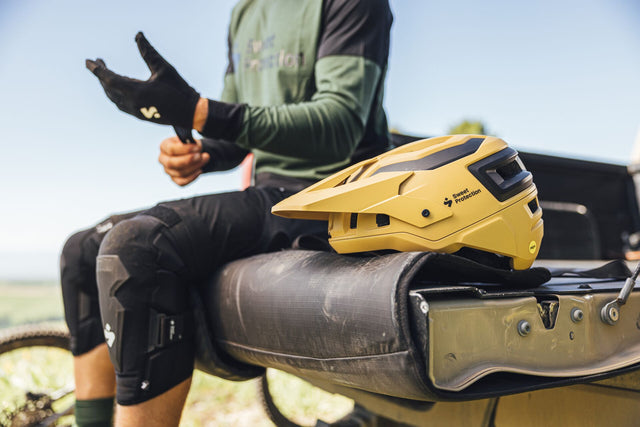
(571, 335)
(576, 314)
(424, 307)
(425, 213)
(524, 328)
(145, 385)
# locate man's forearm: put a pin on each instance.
(329, 126)
(200, 115)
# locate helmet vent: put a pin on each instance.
(382, 220)
(353, 222)
(533, 205)
(437, 159)
(503, 174)
(359, 173)
(509, 170)
(343, 182)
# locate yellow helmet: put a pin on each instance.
(438, 194)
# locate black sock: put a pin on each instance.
(94, 412)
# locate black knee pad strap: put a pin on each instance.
(165, 330)
(167, 215)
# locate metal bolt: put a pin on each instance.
(577, 314)
(524, 328)
(424, 307)
(610, 313)
(426, 213)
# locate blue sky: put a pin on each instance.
(548, 76)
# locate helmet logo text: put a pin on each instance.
(461, 196)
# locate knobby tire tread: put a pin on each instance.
(33, 335)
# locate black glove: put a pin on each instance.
(165, 98)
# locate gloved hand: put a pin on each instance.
(164, 98)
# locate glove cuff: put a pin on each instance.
(184, 118)
(224, 120)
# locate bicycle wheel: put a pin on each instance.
(36, 376)
(289, 401)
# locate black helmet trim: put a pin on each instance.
(503, 174)
(437, 159)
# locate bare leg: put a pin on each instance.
(163, 410)
(94, 374)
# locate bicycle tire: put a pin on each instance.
(33, 335)
(269, 406)
(38, 407)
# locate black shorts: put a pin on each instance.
(202, 233)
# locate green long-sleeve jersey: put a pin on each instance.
(304, 85)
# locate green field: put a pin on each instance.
(29, 302)
(212, 401)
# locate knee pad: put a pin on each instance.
(79, 291)
(79, 288)
(144, 303)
